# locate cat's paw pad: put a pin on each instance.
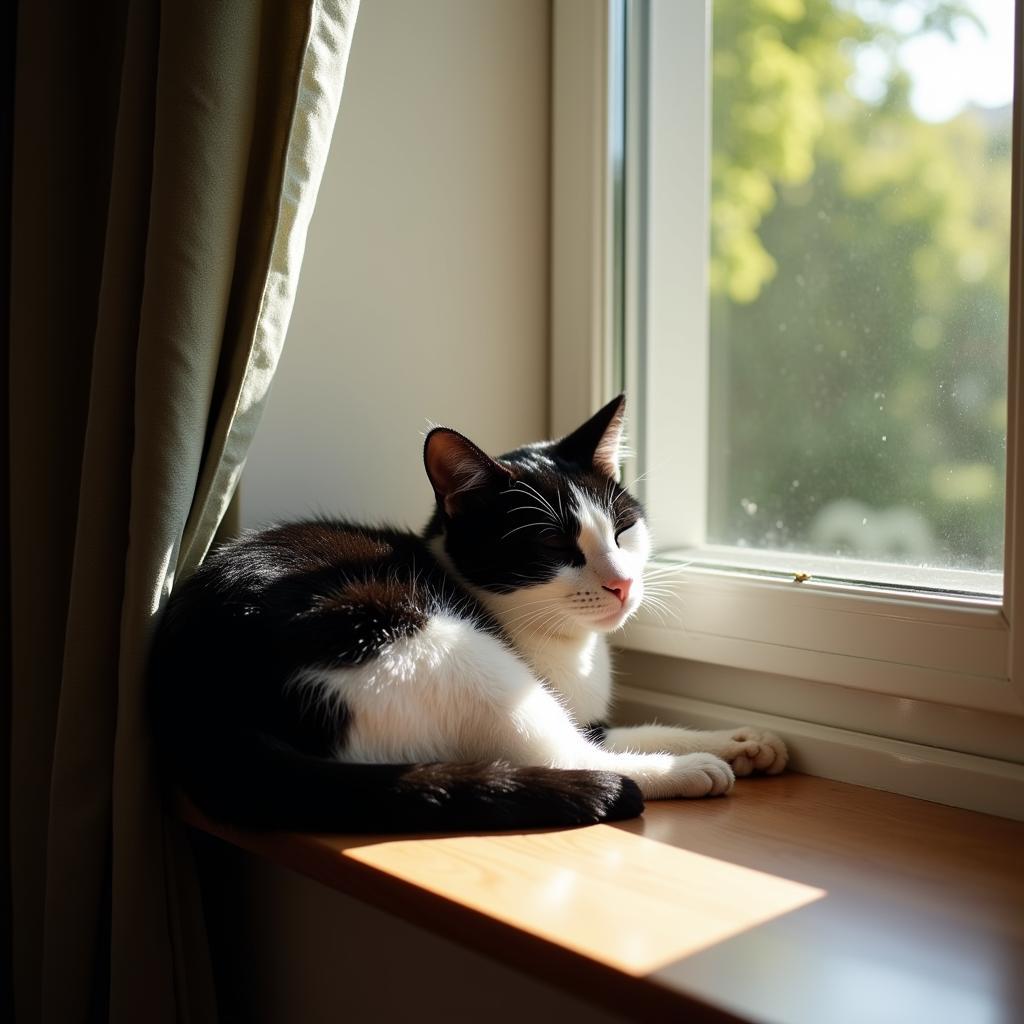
(755, 750)
(703, 775)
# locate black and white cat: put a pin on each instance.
(332, 676)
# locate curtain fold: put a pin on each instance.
(150, 298)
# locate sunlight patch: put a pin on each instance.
(630, 902)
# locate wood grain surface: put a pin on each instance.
(794, 900)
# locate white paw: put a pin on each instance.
(751, 750)
(697, 775)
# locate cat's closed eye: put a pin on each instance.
(623, 534)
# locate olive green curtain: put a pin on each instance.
(166, 159)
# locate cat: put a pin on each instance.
(331, 676)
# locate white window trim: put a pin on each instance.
(903, 650)
(581, 214)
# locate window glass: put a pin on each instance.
(859, 277)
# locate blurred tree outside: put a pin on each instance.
(859, 277)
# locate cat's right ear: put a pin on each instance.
(458, 468)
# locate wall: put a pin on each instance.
(289, 950)
(424, 288)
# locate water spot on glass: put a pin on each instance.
(864, 521)
(842, 354)
(748, 506)
(884, 438)
(795, 484)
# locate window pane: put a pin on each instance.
(859, 277)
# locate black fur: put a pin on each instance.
(249, 750)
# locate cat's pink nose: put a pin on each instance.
(620, 588)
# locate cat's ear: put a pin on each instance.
(598, 442)
(458, 468)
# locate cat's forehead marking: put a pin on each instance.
(597, 532)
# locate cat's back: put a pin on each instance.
(318, 592)
(258, 560)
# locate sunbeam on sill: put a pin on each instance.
(626, 901)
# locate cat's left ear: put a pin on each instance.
(598, 442)
(458, 469)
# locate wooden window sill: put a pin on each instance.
(794, 900)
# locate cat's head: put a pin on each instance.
(547, 531)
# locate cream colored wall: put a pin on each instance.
(290, 951)
(424, 288)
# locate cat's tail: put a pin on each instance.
(256, 781)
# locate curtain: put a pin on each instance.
(164, 161)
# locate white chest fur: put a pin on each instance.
(578, 668)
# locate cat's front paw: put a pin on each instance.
(698, 775)
(750, 750)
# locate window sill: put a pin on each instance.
(926, 770)
(794, 900)
(924, 647)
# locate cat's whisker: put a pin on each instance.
(668, 566)
(669, 585)
(661, 610)
(534, 627)
(548, 634)
(532, 489)
(533, 508)
(526, 605)
(534, 624)
(668, 579)
(526, 611)
(529, 607)
(524, 526)
(530, 502)
(667, 573)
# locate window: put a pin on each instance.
(854, 195)
(859, 282)
(796, 255)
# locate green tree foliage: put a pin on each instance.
(859, 281)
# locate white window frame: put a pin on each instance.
(959, 656)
